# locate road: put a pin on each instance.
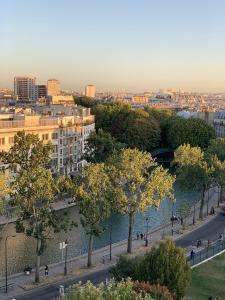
(210, 230)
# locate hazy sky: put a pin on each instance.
(115, 44)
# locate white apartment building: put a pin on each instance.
(219, 124)
(67, 133)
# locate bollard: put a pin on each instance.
(61, 291)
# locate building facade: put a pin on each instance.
(40, 91)
(219, 124)
(24, 88)
(90, 91)
(53, 87)
(68, 135)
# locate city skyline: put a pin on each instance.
(135, 46)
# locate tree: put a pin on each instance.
(100, 145)
(157, 291)
(93, 193)
(194, 173)
(4, 190)
(85, 101)
(193, 131)
(33, 190)
(219, 175)
(124, 290)
(164, 264)
(184, 211)
(27, 152)
(217, 147)
(33, 193)
(138, 183)
(132, 127)
(142, 133)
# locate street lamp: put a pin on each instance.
(110, 239)
(65, 266)
(172, 218)
(6, 262)
(146, 237)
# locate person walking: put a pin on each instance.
(192, 254)
(46, 270)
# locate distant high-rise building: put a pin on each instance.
(90, 91)
(40, 91)
(53, 87)
(24, 88)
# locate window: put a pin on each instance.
(2, 141)
(44, 136)
(54, 135)
(11, 140)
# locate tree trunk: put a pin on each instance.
(202, 205)
(130, 231)
(221, 195)
(38, 260)
(90, 244)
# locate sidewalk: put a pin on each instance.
(77, 266)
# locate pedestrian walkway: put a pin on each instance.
(77, 266)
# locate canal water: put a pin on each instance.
(21, 249)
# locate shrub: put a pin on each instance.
(157, 291)
(165, 265)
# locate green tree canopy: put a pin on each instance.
(100, 145)
(124, 290)
(27, 152)
(4, 190)
(85, 101)
(92, 192)
(165, 264)
(217, 147)
(193, 131)
(133, 127)
(33, 193)
(138, 183)
(194, 172)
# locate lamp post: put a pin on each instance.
(6, 262)
(172, 218)
(194, 215)
(146, 237)
(110, 239)
(65, 266)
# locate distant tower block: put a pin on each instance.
(24, 87)
(90, 91)
(53, 87)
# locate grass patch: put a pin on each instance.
(208, 280)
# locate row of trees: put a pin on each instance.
(128, 182)
(199, 170)
(145, 129)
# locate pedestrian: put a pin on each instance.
(46, 270)
(142, 236)
(199, 243)
(212, 211)
(137, 235)
(192, 254)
